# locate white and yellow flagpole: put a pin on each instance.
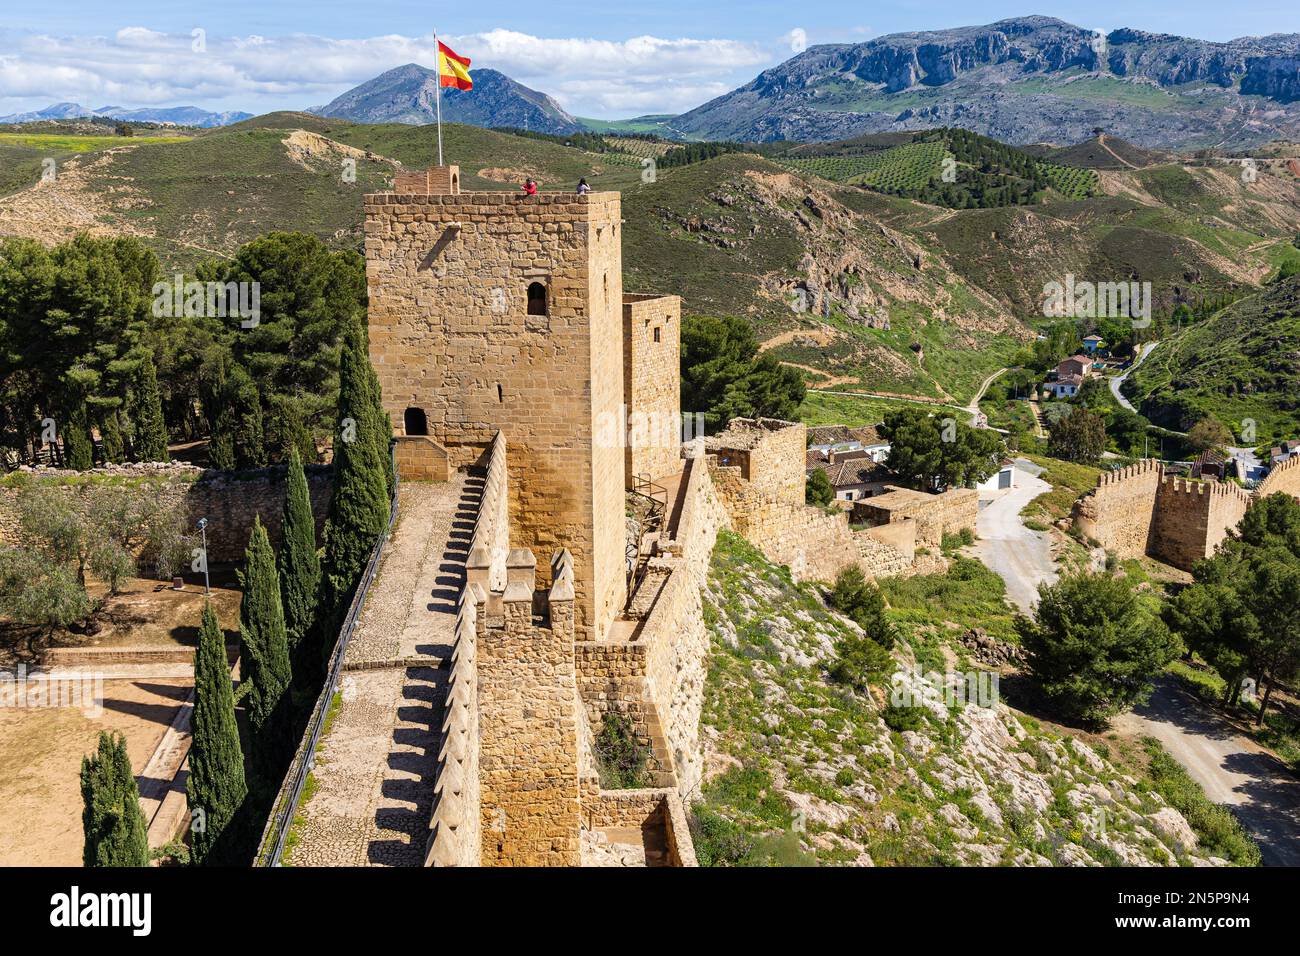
(437, 90)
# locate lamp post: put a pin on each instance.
(203, 531)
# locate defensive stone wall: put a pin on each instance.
(1284, 478)
(1121, 511)
(652, 384)
(516, 780)
(229, 500)
(1193, 517)
(1139, 510)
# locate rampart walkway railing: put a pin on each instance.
(282, 813)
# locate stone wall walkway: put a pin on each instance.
(375, 767)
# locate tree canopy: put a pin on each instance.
(1239, 613)
(1094, 646)
(725, 377)
(933, 453)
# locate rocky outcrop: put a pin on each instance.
(973, 784)
(1277, 77)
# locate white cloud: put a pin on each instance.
(142, 67)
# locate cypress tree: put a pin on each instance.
(381, 430)
(216, 785)
(111, 818)
(264, 646)
(359, 506)
(296, 561)
(150, 429)
(237, 437)
(110, 438)
(78, 449)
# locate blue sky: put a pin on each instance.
(598, 59)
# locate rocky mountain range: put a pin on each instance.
(177, 115)
(1022, 80)
(406, 95)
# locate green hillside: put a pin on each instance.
(1243, 363)
(738, 234)
(861, 289)
(982, 172)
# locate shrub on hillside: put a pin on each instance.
(1094, 646)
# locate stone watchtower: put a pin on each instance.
(497, 310)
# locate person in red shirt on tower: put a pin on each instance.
(530, 187)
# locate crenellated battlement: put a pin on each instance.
(1135, 470)
(1285, 477)
(1192, 486)
(1141, 510)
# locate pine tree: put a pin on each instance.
(111, 818)
(216, 785)
(78, 449)
(264, 646)
(150, 429)
(296, 561)
(359, 506)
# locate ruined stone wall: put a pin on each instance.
(770, 454)
(675, 632)
(1191, 518)
(934, 515)
(451, 334)
(1120, 512)
(816, 545)
(652, 384)
(657, 677)
(229, 500)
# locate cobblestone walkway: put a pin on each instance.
(374, 772)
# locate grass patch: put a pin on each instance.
(1069, 482)
(968, 595)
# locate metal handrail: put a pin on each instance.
(286, 804)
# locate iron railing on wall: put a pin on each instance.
(285, 807)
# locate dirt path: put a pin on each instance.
(974, 405)
(374, 772)
(831, 381)
(1020, 556)
(1230, 768)
(892, 396)
(1101, 141)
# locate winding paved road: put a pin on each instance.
(1118, 380)
(1020, 556)
(1230, 768)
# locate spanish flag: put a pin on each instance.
(453, 69)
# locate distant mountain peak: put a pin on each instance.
(406, 94)
(1022, 80)
(178, 115)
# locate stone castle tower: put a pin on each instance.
(494, 310)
